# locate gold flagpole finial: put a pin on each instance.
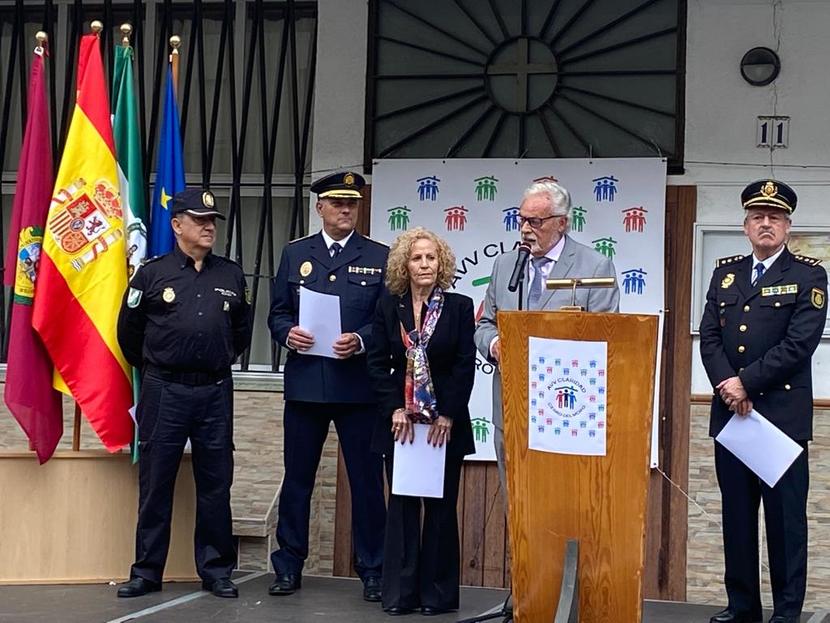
(42, 38)
(126, 31)
(175, 42)
(97, 26)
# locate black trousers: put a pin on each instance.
(422, 566)
(785, 513)
(168, 414)
(306, 426)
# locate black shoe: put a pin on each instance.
(286, 584)
(780, 618)
(397, 611)
(429, 611)
(137, 587)
(222, 587)
(728, 615)
(371, 588)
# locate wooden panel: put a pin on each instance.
(73, 519)
(600, 500)
(342, 563)
(665, 573)
(472, 566)
(495, 529)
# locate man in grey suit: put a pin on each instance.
(545, 217)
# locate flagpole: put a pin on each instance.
(175, 42)
(97, 26)
(42, 39)
(126, 31)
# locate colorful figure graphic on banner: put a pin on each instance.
(511, 219)
(545, 178)
(605, 188)
(428, 188)
(634, 281)
(456, 218)
(486, 188)
(605, 246)
(481, 429)
(398, 218)
(634, 219)
(578, 219)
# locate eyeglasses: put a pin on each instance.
(535, 222)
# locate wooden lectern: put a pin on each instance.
(598, 500)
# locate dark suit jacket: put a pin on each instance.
(452, 362)
(356, 276)
(765, 334)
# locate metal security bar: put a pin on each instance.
(245, 92)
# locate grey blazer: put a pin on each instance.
(576, 260)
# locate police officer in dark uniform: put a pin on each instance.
(764, 316)
(319, 390)
(184, 320)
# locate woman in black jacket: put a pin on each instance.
(422, 363)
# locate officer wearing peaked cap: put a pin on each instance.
(184, 320)
(763, 319)
(319, 390)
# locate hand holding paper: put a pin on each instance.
(761, 445)
(318, 317)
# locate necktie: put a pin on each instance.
(759, 271)
(335, 249)
(535, 291)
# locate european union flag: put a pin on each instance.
(169, 173)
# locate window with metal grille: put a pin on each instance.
(245, 94)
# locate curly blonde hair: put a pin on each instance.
(397, 272)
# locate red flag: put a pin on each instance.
(28, 392)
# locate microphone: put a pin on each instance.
(519, 268)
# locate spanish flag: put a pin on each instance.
(83, 267)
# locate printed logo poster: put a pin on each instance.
(618, 209)
(567, 393)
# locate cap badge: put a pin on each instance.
(305, 269)
(169, 295)
(348, 179)
(769, 189)
(727, 281)
(207, 199)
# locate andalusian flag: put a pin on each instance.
(83, 271)
(128, 148)
(169, 173)
(130, 176)
(28, 392)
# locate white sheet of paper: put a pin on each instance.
(320, 316)
(760, 444)
(418, 468)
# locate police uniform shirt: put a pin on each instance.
(178, 318)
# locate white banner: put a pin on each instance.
(567, 382)
(618, 209)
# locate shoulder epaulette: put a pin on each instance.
(724, 261)
(810, 261)
(149, 260)
(303, 238)
(377, 242)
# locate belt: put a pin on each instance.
(187, 378)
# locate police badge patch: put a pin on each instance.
(817, 298)
(134, 298)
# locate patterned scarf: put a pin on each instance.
(419, 394)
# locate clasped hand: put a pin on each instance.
(732, 392)
(403, 429)
(345, 346)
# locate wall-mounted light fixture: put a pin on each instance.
(760, 66)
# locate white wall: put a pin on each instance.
(721, 111)
(339, 90)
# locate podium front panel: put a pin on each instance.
(599, 500)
